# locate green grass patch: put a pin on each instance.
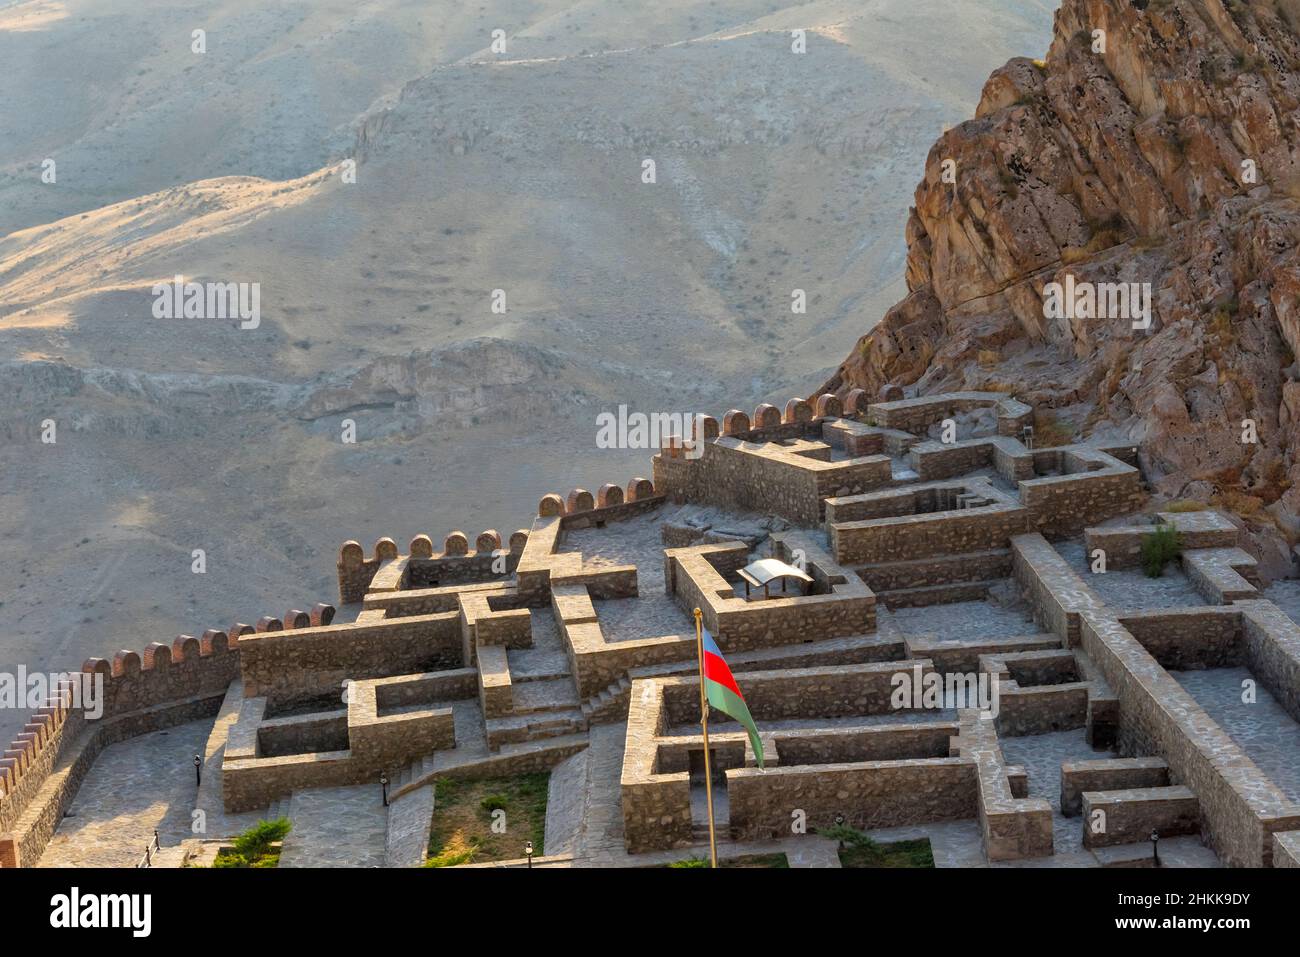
(858, 850)
(491, 819)
(254, 847)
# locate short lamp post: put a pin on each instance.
(1155, 848)
(198, 771)
(383, 783)
(528, 851)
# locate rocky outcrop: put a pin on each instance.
(1156, 145)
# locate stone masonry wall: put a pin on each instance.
(295, 667)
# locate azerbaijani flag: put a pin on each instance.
(722, 692)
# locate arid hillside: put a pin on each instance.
(1161, 160)
(475, 170)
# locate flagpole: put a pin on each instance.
(704, 723)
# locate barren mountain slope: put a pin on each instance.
(1168, 159)
(519, 172)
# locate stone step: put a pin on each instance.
(1130, 816)
(609, 699)
(517, 728)
(538, 697)
(278, 809)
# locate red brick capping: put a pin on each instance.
(156, 655)
(488, 541)
(735, 422)
(268, 623)
(766, 416)
(639, 488)
(296, 618)
(580, 500)
(187, 648)
(421, 547)
(211, 642)
(609, 494)
(456, 543)
(352, 555)
(518, 539)
(891, 393)
(704, 427)
(321, 614)
(856, 402)
(385, 549)
(550, 505)
(828, 404)
(797, 410)
(126, 663)
(238, 629)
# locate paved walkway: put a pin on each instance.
(1262, 728)
(336, 827)
(136, 786)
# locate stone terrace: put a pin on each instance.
(958, 669)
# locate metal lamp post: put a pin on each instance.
(528, 850)
(383, 782)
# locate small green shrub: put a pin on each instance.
(1159, 549)
(253, 847)
(493, 802)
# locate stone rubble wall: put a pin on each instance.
(918, 414)
(1109, 774)
(1239, 805)
(865, 794)
(159, 687)
(1012, 827)
(297, 667)
(372, 742)
(1205, 529)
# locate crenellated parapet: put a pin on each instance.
(581, 509)
(783, 463)
(385, 569)
(109, 700)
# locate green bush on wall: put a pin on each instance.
(1159, 549)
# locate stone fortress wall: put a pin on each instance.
(882, 515)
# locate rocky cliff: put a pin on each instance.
(1154, 147)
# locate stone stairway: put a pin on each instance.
(278, 809)
(609, 704)
(542, 708)
(937, 579)
(417, 771)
